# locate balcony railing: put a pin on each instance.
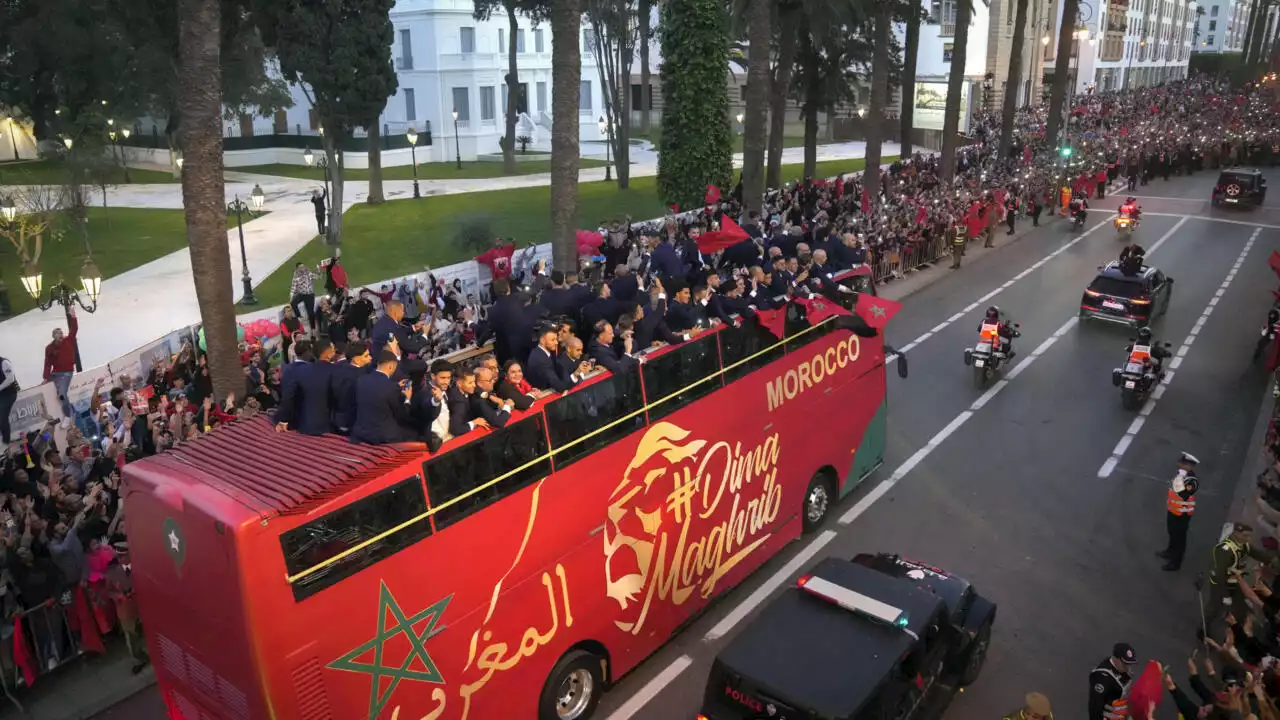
(948, 30)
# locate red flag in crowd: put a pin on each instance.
(818, 309)
(877, 311)
(84, 622)
(839, 186)
(1146, 692)
(774, 321)
(921, 214)
(589, 243)
(713, 195)
(730, 233)
(22, 656)
(675, 209)
(1026, 155)
(1000, 193)
(1274, 262)
(866, 202)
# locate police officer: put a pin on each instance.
(1180, 505)
(958, 241)
(1228, 559)
(1109, 683)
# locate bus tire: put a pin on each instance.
(573, 688)
(818, 499)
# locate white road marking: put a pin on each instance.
(1165, 237)
(1215, 219)
(766, 588)
(651, 689)
(1135, 427)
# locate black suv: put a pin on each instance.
(1128, 297)
(873, 638)
(1238, 188)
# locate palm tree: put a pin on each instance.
(483, 10)
(1061, 69)
(566, 63)
(831, 60)
(375, 196)
(755, 120)
(645, 11)
(955, 85)
(789, 22)
(1015, 79)
(911, 18)
(203, 194)
(880, 59)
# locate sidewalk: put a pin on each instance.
(83, 688)
(146, 303)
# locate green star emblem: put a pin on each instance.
(877, 311)
(400, 625)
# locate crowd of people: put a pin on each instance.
(381, 365)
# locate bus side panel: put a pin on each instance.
(187, 591)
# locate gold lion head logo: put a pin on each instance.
(636, 510)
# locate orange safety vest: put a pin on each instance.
(1177, 506)
(989, 333)
(1140, 354)
(1116, 710)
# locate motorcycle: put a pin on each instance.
(1078, 217)
(1124, 225)
(1268, 336)
(1137, 378)
(987, 357)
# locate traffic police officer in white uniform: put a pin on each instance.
(1180, 504)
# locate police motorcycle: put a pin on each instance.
(1127, 219)
(1140, 373)
(992, 351)
(1079, 213)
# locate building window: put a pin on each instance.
(406, 50)
(467, 39)
(942, 12)
(1213, 11)
(410, 106)
(462, 104)
(947, 49)
(742, 92)
(505, 93)
(502, 40)
(537, 41)
(313, 120)
(520, 41)
(584, 101)
(1209, 39)
(486, 103)
(588, 42)
(637, 98)
(1213, 24)
(542, 97)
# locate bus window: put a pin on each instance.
(509, 455)
(600, 406)
(670, 375)
(745, 345)
(328, 536)
(799, 333)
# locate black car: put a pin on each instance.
(873, 638)
(1240, 188)
(1129, 297)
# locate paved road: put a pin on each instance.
(1003, 485)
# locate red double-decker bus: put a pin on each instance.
(514, 573)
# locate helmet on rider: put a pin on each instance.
(1144, 336)
(993, 313)
(1130, 200)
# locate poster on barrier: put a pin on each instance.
(30, 408)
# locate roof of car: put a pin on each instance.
(1112, 270)
(821, 657)
(1249, 172)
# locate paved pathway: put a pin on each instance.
(150, 301)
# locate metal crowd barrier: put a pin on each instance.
(894, 264)
(47, 640)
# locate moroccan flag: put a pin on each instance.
(877, 311)
(775, 321)
(866, 202)
(22, 653)
(730, 233)
(1274, 262)
(818, 309)
(1146, 692)
(84, 621)
(713, 195)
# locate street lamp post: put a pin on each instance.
(603, 124)
(456, 147)
(257, 199)
(412, 136)
(124, 160)
(323, 161)
(62, 294)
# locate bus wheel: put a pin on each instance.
(573, 688)
(817, 501)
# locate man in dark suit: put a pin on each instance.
(462, 416)
(506, 318)
(316, 413)
(601, 349)
(666, 262)
(543, 372)
(683, 315)
(624, 287)
(389, 326)
(430, 401)
(485, 401)
(293, 385)
(729, 301)
(557, 299)
(342, 384)
(382, 406)
(569, 358)
(650, 327)
(602, 307)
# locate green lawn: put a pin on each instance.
(426, 171)
(403, 236)
(51, 172)
(122, 239)
(655, 136)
